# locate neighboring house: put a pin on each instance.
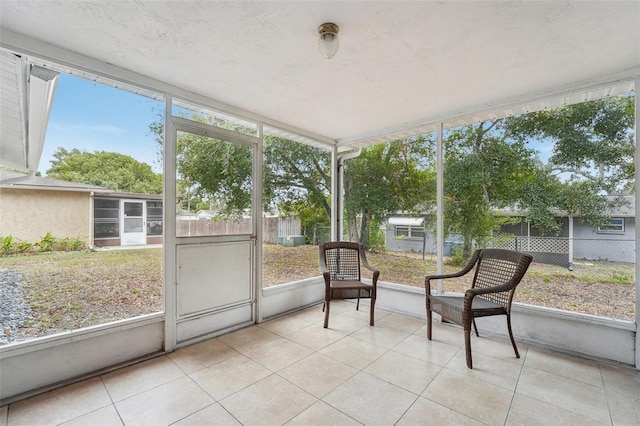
(127, 219)
(404, 233)
(32, 206)
(577, 240)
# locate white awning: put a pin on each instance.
(406, 221)
(27, 95)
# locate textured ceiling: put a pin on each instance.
(400, 64)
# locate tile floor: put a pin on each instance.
(292, 371)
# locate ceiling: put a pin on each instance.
(402, 67)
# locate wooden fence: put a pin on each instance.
(272, 227)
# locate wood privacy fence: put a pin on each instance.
(272, 227)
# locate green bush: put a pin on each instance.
(11, 246)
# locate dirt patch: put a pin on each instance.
(66, 291)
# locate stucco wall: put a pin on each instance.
(29, 214)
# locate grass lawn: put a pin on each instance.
(70, 290)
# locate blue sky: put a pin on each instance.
(94, 117)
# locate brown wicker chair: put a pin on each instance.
(498, 272)
(340, 264)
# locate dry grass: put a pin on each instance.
(72, 290)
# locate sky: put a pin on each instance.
(94, 117)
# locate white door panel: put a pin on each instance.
(213, 276)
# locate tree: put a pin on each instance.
(107, 169)
(483, 172)
(217, 171)
(297, 178)
(592, 159)
(592, 140)
(489, 165)
(385, 179)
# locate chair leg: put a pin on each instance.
(372, 310)
(358, 304)
(475, 328)
(326, 313)
(513, 342)
(467, 347)
(428, 323)
(324, 305)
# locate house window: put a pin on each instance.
(409, 231)
(106, 218)
(614, 226)
(154, 217)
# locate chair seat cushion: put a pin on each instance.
(452, 306)
(349, 284)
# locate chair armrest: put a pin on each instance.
(465, 270)
(473, 292)
(364, 263)
(322, 263)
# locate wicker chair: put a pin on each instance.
(497, 274)
(340, 264)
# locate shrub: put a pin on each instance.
(10, 245)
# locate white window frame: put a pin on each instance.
(614, 226)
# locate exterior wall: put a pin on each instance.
(589, 244)
(394, 243)
(29, 214)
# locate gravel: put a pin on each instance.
(13, 309)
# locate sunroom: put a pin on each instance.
(402, 69)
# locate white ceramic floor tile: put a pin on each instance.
(364, 312)
(213, 415)
(530, 411)
(201, 355)
(286, 325)
(107, 416)
(624, 410)
(353, 352)
(141, 377)
(315, 337)
(229, 376)
(318, 374)
(479, 400)
(625, 381)
(321, 413)
(572, 367)
(359, 379)
(424, 412)
(248, 338)
(401, 322)
(381, 336)
(165, 404)
(580, 398)
(271, 401)
(278, 354)
(60, 405)
(370, 400)
(488, 368)
(404, 371)
(346, 324)
(496, 346)
(419, 347)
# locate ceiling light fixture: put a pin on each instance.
(328, 42)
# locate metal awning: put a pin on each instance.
(27, 95)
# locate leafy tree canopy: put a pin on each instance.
(385, 179)
(108, 169)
